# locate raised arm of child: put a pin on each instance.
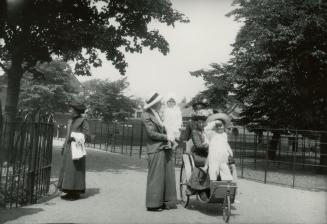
(209, 131)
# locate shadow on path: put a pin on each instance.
(6, 216)
(213, 209)
(99, 161)
(105, 161)
(90, 192)
(208, 209)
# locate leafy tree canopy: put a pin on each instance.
(35, 31)
(51, 91)
(42, 29)
(279, 63)
(219, 87)
(106, 99)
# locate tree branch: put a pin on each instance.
(36, 73)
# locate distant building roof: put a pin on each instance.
(75, 84)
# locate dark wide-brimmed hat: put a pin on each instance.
(203, 102)
(199, 118)
(201, 115)
(78, 106)
(220, 116)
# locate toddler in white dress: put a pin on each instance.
(219, 149)
(172, 120)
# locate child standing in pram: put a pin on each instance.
(217, 183)
(218, 163)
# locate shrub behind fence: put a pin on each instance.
(25, 159)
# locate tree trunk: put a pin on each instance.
(323, 153)
(13, 88)
(2, 154)
(14, 76)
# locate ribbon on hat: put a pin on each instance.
(152, 98)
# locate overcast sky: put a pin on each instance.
(195, 45)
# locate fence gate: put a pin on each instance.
(25, 159)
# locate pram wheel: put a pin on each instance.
(226, 208)
(185, 198)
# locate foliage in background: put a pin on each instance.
(278, 68)
(218, 90)
(279, 63)
(106, 99)
(49, 92)
(78, 30)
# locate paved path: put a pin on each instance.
(116, 194)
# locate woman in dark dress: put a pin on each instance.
(72, 174)
(194, 132)
(161, 185)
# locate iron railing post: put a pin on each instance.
(267, 156)
(242, 153)
(255, 141)
(95, 133)
(294, 158)
(107, 135)
(132, 136)
(122, 139)
(141, 141)
(114, 136)
(101, 134)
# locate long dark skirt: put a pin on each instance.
(199, 180)
(72, 174)
(161, 183)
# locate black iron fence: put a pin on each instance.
(25, 159)
(119, 137)
(295, 158)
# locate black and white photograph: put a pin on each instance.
(163, 111)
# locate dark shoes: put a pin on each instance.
(66, 196)
(70, 197)
(163, 207)
(158, 209)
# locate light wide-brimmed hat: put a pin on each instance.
(220, 116)
(153, 99)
